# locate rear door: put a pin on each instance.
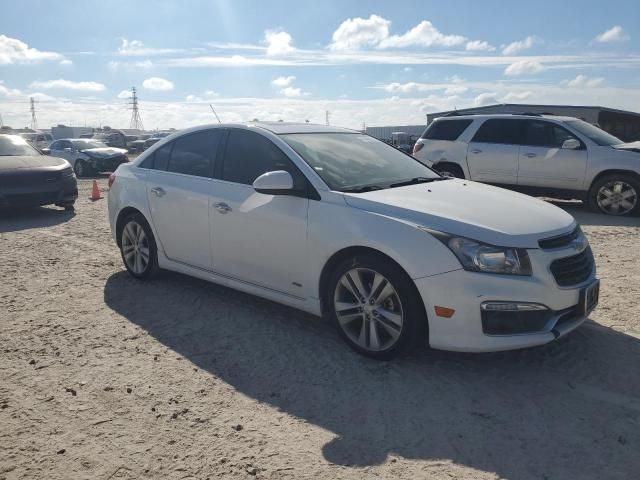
(492, 154)
(258, 238)
(544, 163)
(179, 191)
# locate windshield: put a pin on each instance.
(13, 145)
(346, 161)
(84, 144)
(594, 133)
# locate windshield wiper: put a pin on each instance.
(416, 180)
(362, 189)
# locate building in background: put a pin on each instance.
(385, 133)
(620, 123)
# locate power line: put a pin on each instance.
(34, 117)
(136, 120)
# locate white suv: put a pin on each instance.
(335, 222)
(541, 155)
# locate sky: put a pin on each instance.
(365, 62)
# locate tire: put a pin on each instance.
(139, 265)
(398, 319)
(449, 170)
(615, 194)
(69, 208)
(81, 168)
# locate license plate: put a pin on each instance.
(589, 297)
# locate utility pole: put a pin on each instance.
(34, 118)
(327, 114)
(136, 120)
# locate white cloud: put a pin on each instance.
(614, 34)
(584, 81)
(517, 96)
(291, 92)
(486, 98)
(208, 96)
(135, 48)
(407, 69)
(455, 90)
(523, 67)
(422, 35)
(283, 81)
(7, 92)
(65, 63)
(356, 33)
(125, 94)
(278, 43)
(479, 46)
(14, 51)
(69, 85)
(516, 47)
(157, 83)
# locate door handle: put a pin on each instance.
(158, 191)
(530, 155)
(222, 207)
(476, 150)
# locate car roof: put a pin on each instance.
(525, 116)
(279, 128)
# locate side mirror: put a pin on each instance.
(278, 182)
(571, 144)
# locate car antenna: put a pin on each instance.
(214, 112)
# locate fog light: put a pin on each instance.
(514, 318)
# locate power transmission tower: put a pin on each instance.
(34, 118)
(136, 120)
(327, 114)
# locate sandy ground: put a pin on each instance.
(102, 377)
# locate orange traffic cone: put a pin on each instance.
(95, 192)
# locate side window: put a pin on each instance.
(194, 154)
(248, 155)
(446, 130)
(545, 134)
(499, 130)
(55, 145)
(560, 134)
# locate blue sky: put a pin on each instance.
(366, 62)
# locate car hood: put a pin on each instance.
(474, 210)
(104, 152)
(632, 146)
(11, 164)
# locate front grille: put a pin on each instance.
(30, 179)
(560, 241)
(573, 270)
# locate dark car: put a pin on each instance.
(30, 179)
(155, 139)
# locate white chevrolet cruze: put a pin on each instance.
(335, 222)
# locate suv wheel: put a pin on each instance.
(376, 307)
(449, 170)
(615, 195)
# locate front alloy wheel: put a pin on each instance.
(617, 197)
(80, 168)
(369, 309)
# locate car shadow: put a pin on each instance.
(566, 410)
(584, 216)
(16, 219)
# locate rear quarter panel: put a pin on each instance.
(128, 190)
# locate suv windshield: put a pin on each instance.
(13, 145)
(352, 161)
(84, 144)
(594, 133)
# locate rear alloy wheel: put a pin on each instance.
(376, 307)
(615, 195)
(138, 247)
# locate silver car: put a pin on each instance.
(542, 155)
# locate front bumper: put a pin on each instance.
(107, 164)
(465, 292)
(62, 193)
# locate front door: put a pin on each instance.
(544, 163)
(179, 188)
(257, 238)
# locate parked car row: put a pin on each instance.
(541, 155)
(87, 156)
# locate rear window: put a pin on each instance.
(499, 130)
(446, 130)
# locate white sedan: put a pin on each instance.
(337, 223)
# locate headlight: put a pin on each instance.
(476, 256)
